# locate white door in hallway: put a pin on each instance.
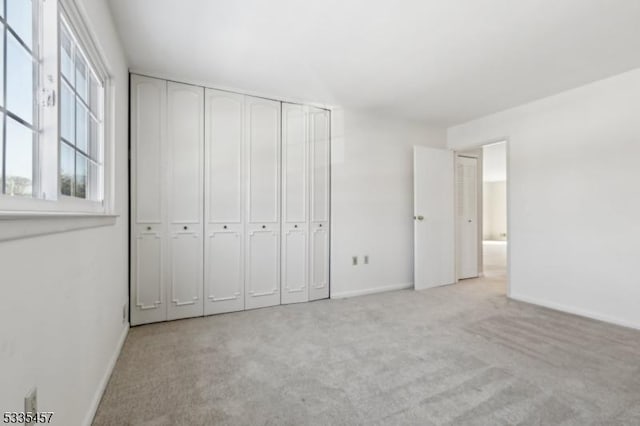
(434, 224)
(467, 216)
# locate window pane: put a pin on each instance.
(67, 172)
(1, 66)
(94, 182)
(94, 142)
(19, 80)
(1, 153)
(66, 55)
(81, 78)
(67, 114)
(81, 176)
(95, 96)
(19, 160)
(82, 131)
(20, 18)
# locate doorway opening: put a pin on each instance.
(481, 214)
(494, 211)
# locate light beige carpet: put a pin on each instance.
(460, 355)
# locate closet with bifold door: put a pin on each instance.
(305, 203)
(229, 201)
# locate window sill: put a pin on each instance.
(18, 225)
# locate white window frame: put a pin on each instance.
(48, 211)
(49, 201)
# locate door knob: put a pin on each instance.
(469, 221)
(420, 217)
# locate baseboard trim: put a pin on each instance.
(354, 293)
(574, 311)
(105, 378)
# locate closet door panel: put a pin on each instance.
(294, 264)
(224, 270)
(148, 109)
(262, 259)
(320, 159)
(319, 143)
(224, 136)
(148, 231)
(295, 162)
(185, 140)
(263, 155)
(319, 264)
(146, 287)
(185, 281)
(295, 201)
(224, 189)
(262, 277)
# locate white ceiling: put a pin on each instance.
(494, 162)
(440, 61)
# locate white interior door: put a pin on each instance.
(320, 161)
(434, 224)
(467, 216)
(262, 261)
(185, 163)
(148, 233)
(224, 202)
(295, 204)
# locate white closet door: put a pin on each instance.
(295, 204)
(148, 233)
(467, 206)
(224, 189)
(319, 145)
(185, 163)
(262, 262)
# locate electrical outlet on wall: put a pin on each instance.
(31, 403)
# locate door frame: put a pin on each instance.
(478, 146)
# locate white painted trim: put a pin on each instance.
(88, 420)
(574, 311)
(18, 225)
(354, 293)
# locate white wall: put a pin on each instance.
(372, 199)
(62, 294)
(574, 197)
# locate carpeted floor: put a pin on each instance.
(462, 354)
